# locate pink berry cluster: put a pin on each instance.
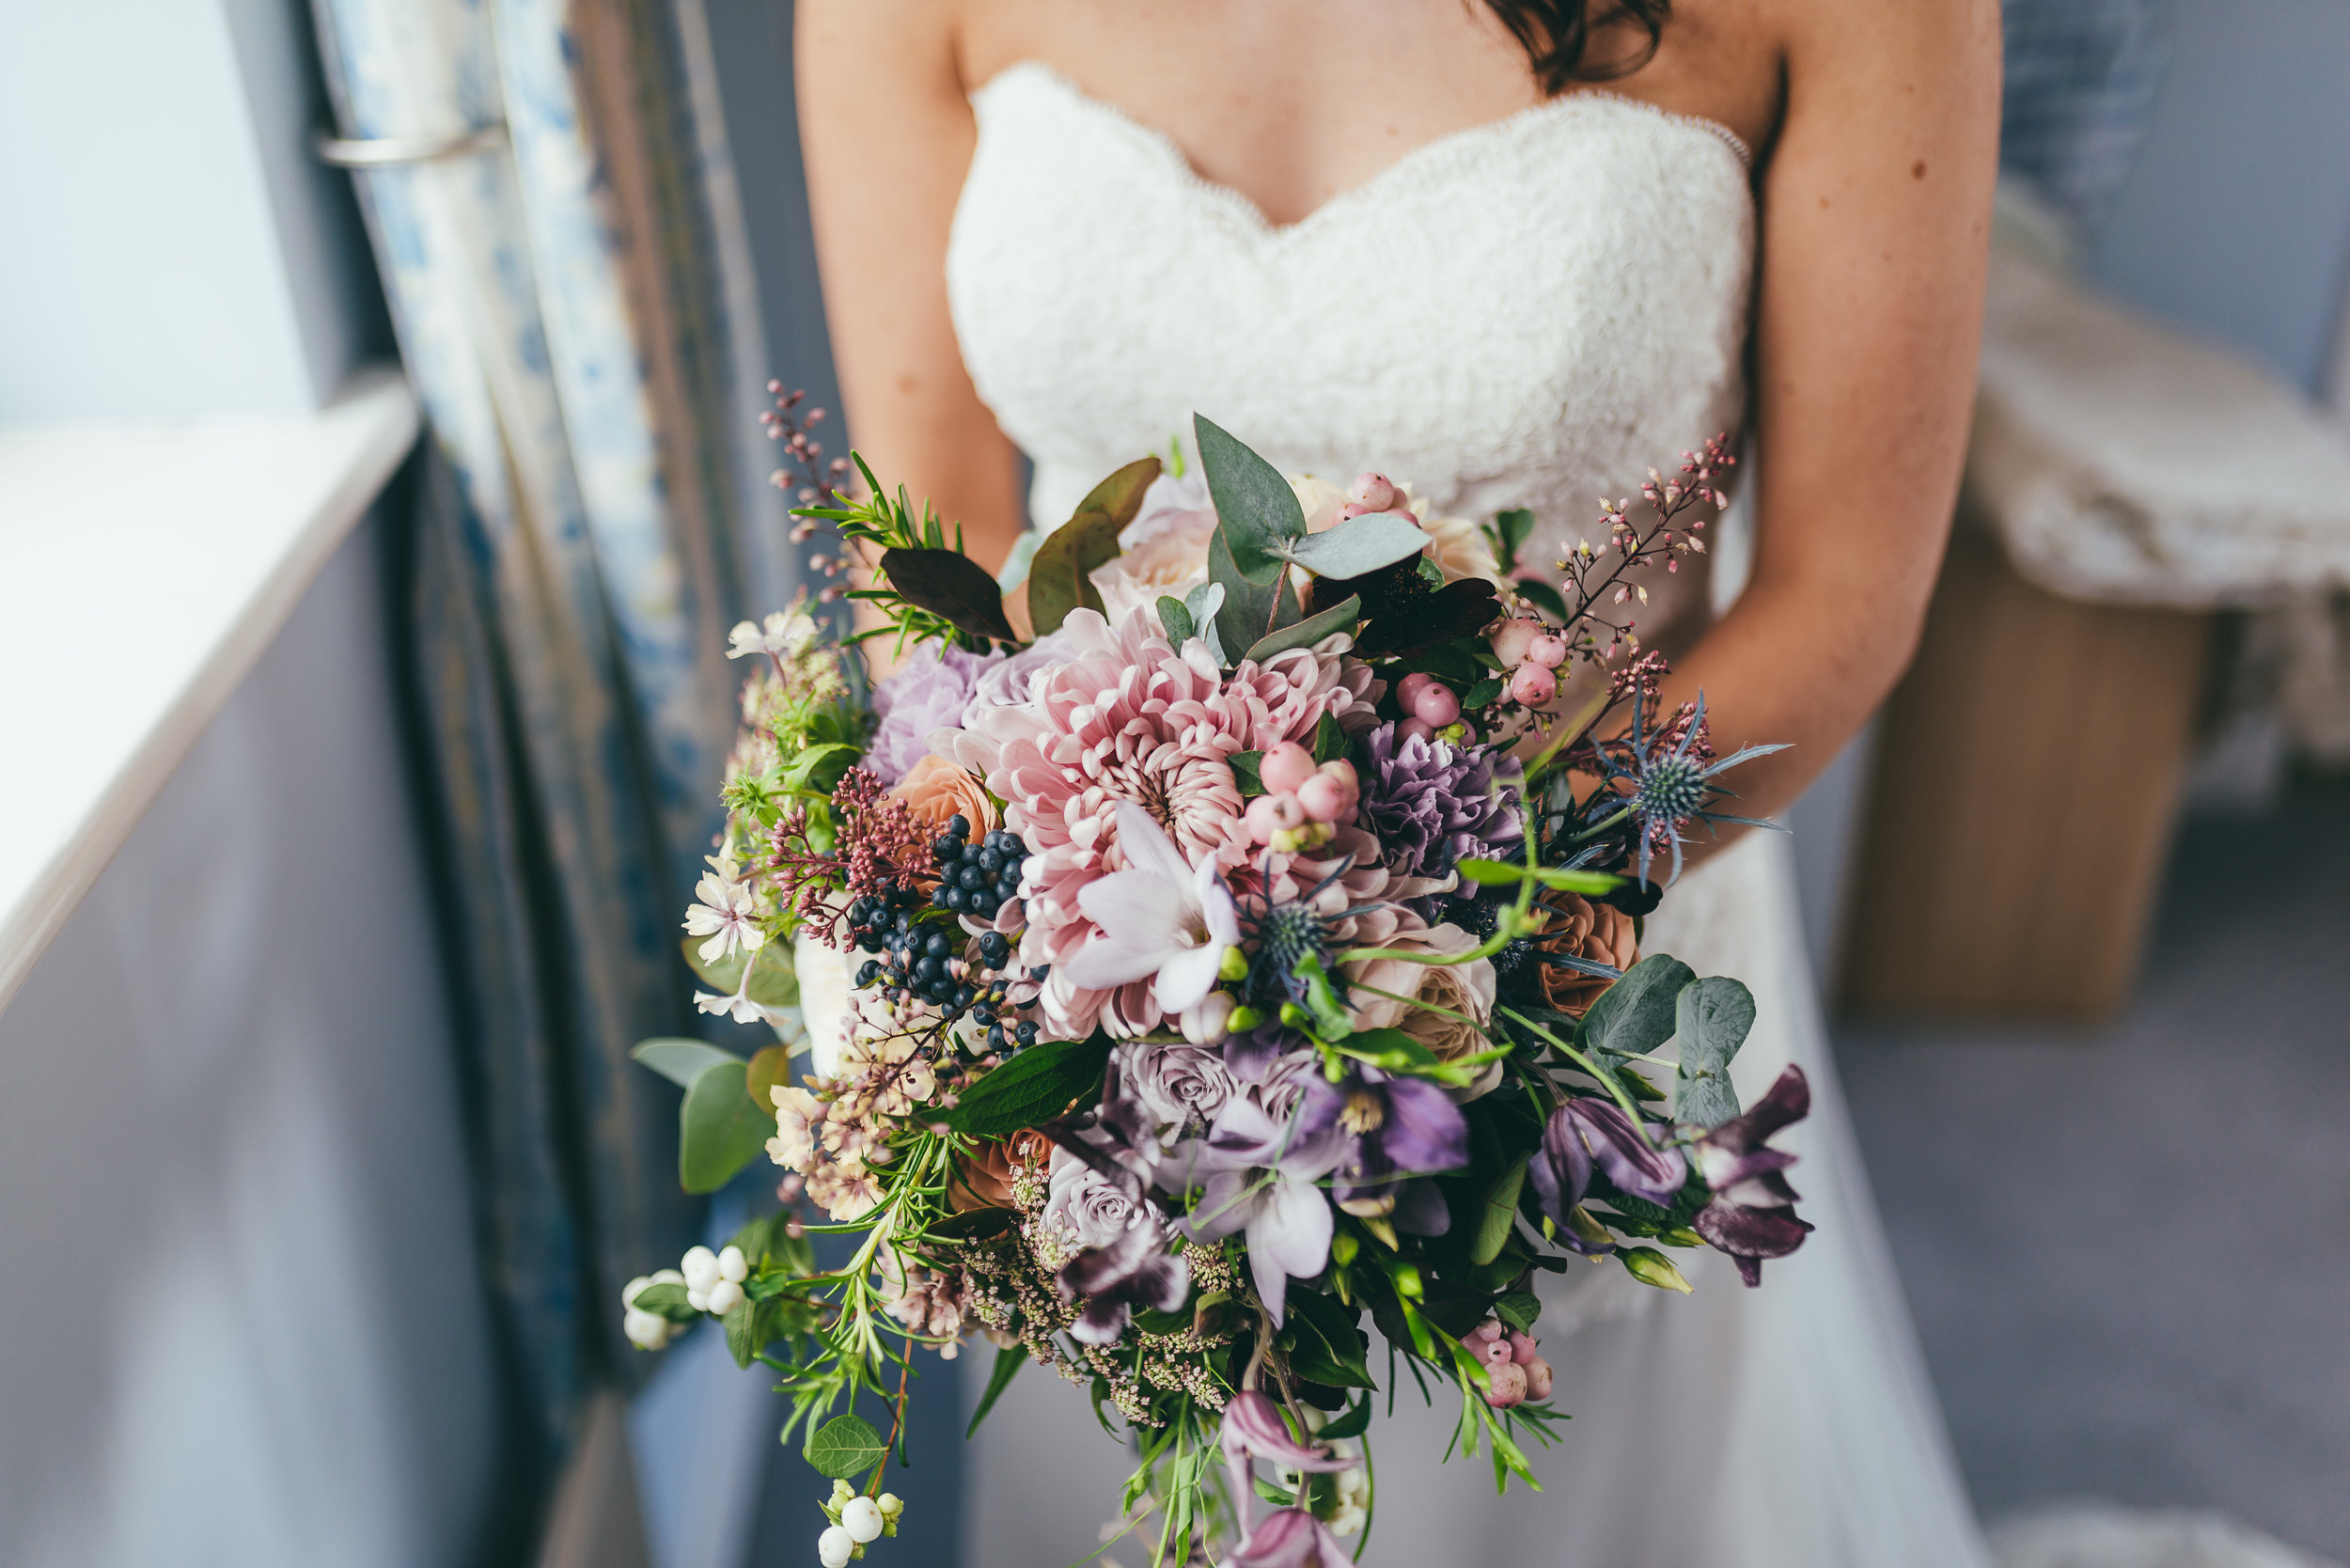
(1514, 1368)
(1372, 492)
(1533, 653)
(1429, 710)
(1302, 803)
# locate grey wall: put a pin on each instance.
(244, 1320)
(2236, 219)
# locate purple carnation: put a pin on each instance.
(1433, 803)
(929, 692)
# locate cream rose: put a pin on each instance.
(1467, 989)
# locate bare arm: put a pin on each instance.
(887, 135)
(1875, 212)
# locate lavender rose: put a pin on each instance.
(1178, 1087)
(929, 692)
(1089, 1208)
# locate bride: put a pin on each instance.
(1513, 251)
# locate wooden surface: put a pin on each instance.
(2026, 788)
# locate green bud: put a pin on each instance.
(1234, 967)
(1244, 1019)
(1651, 1267)
(1406, 1277)
(1295, 1016)
(1343, 1247)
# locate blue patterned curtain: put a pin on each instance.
(2080, 86)
(564, 295)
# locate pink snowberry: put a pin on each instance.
(1536, 1378)
(1548, 652)
(1411, 727)
(1407, 692)
(1484, 1333)
(1270, 814)
(1436, 706)
(1496, 1353)
(1372, 492)
(1533, 686)
(1521, 1348)
(1511, 638)
(1505, 1385)
(1325, 799)
(1285, 767)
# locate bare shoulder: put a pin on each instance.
(1873, 64)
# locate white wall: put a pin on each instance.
(245, 1322)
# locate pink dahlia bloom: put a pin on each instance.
(1130, 718)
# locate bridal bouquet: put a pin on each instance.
(1234, 942)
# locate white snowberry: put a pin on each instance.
(733, 1266)
(862, 1518)
(701, 1268)
(835, 1547)
(646, 1330)
(724, 1296)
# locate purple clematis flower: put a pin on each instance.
(1290, 1538)
(1253, 1428)
(1752, 1215)
(1258, 1174)
(1404, 1131)
(1134, 1269)
(1583, 1133)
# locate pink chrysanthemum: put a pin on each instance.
(1128, 717)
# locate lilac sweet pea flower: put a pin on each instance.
(1752, 1215)
(1258, 1174)
(1582, 1132)
(1159, 919)
(1291, 1538)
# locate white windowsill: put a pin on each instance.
(143, 570)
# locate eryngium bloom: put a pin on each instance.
(1752, 1215)
(1433, 803)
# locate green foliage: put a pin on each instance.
(1175, 617)
(1503, 873)
(1483, 694)
(1358, 545)
(1711, 1019)
(1508, 533)
(681, 1060)
(1059, 576)
(1009, 1360)
(949, 585)
(1330, 742)
(666, 1299)
(1327, 1345)
(1247, 772)
(1542, 597)
(1636, 1015)
(1498, 1212)
(1256, 509)
(844, 1446)
(720, 1128)
(1034, 1086)
(1340, 617)
(1518, 1310)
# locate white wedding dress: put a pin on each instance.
(1532, 312)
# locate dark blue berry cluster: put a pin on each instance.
(976, 878)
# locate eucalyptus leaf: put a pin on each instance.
(1358, 545)
(1059, 573)
(1255, 508)
(1340, 617)
(1175, 619)
(681, 1060)
(950, 585)
(1634, 1015)
(767, 1071)
(1711, 1019)
(774, 981)
(1120, 496)
(719, 1129)
(1245, 613)
(1034, 1086)
(1204, 603)
(844, 1446)
(1498, 1214)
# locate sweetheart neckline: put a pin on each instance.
(1451, 145)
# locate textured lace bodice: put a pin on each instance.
(1531, 312)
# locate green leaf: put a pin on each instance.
(680, 1061)
(1542, 596)
(1634, 1015)
(1511, 529)
(1246, 766)
(952, 586)
(740, 1340)
(1352, 1424)
(1330, 739)
(719, 1129)
(1034, 1086)
(1009, 1360)
(819, 767)
(1246, 613)
(1058, 580)
(1518, 1310)
(722, 976)
(666, 1299)
(1340, 617)
(1331, 1020)
(1483, 694)
(1500, 1208)
(766, 1071)
(1204, 603)
(844, 1446)
(1711, 1018)
(1334, 1328)
(1256, 509)
(1358, 545)
(1176, 620)
(774, 981)
(1505, 874)
(1651, 1268)
(971, 1225)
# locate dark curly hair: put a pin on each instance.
(1556, 33)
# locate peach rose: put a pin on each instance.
(1581, 929)
(937, 787)
(1467, 989)
(982, 1179)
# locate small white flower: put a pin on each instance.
(725, 913)
(785, 635)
